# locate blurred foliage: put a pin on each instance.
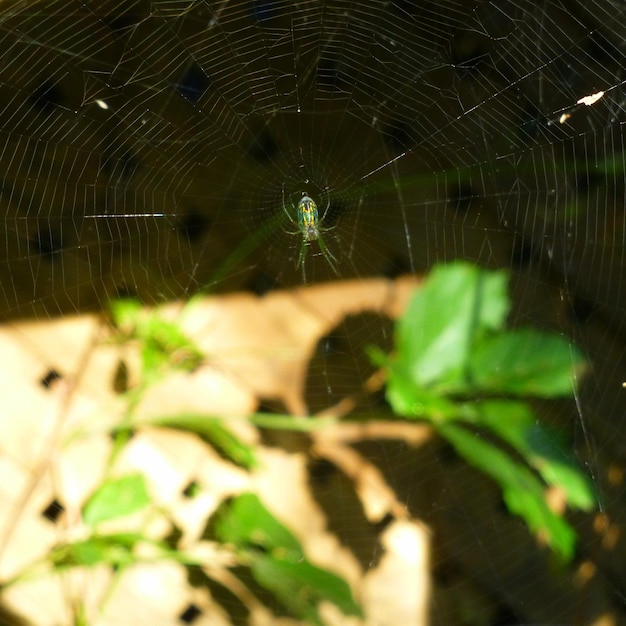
(454, 365)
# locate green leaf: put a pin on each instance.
(167, 340)
(526, 363)
(523, 492)
(246, 523)
(410, 400)
(492, 301)
(301, 586)
(125, 312)
(377, 356)
(457, 303)
(276, 421)
(212, 430)
(516, 424)
(115, 549)
(116, 498)
(277, 560)
(163, 344)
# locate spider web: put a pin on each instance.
(150, 148)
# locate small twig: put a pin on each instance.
(66, 395)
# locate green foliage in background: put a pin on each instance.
(115, 498)
(163, 345)
(456, 366)
(277, 561)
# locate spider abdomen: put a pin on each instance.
(308, 218)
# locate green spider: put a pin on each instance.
(309, 227)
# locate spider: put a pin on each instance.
(309, 227)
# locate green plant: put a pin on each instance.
(245, 529)
(454, 365)
(457, 367)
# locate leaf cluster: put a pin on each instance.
(458, 367)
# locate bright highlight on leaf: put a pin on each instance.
(435, 336)
(117, 498)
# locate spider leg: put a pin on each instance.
(327, 254)
(321, 222)
(302, 257)
(303, 252)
